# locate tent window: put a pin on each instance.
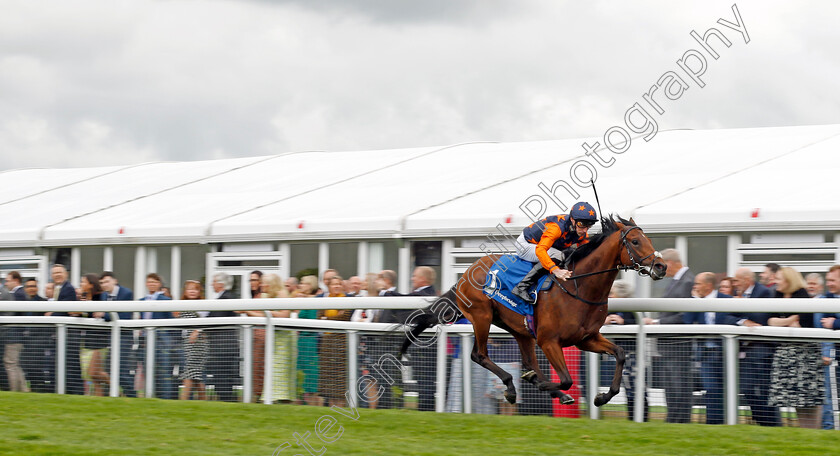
(707, 254)
(663, 242)
(124, 267)
(303, 256)
(343, 257)
(193, 263)
(92, 258)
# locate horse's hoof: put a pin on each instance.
(528, 375)
(565, 399)
(601, 399)
(510, 396)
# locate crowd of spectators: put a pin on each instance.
(310, 367)
(773, 375)
(200, 362)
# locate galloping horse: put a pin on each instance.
(570, 313)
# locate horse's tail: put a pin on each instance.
(444, 309)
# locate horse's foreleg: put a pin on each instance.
(600, 344)
(532, 373)
(479, 355)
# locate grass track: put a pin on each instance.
(42, 424)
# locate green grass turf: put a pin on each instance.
(41, 424)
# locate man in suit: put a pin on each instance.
(166, 346)
(676, 352)
(832, 283)
(386, 282)
(38, 359)
(15, 285)
(112, 291)
(5, 295)
(64, 291)
(815, 286)
(326, 276)
(757, 356)
(354, 286)
(14, 337)
(378, 345)
(768, 275)
(829, 321)
(623, 289)
(424, 360)
(255, 282)
(223, 359)
(710, 351)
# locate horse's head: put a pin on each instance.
(638, 252)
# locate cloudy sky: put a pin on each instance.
(87, 83)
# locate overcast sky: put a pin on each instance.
(87, 83)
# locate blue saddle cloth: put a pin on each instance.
(504, 275)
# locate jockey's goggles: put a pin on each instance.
(585, 223)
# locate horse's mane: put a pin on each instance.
(609, 225)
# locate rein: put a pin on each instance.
(636, 266)
(617, 268)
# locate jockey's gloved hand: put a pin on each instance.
(562, 274)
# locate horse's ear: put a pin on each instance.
(632, 222)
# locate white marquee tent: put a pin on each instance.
(680, 181)
(728, 182)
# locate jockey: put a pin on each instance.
(543, 241)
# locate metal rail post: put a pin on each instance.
(151, 334)
(835, 412)
(593, 369)
(466, 368)
(640, 368)
(352, 366)
(247, 362)
(61, 358)
(115, 355)
(730, 359)
(440, 389)
(268, 383)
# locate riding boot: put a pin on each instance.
(530, 279)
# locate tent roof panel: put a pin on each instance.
(177, 212)
(679, 179)
(646, 173)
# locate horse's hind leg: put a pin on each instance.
(532, 373)
(600, 344)
(481, 328)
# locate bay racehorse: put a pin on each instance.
(570, 313)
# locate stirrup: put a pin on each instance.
(524, 295)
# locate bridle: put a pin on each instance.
(637, 266)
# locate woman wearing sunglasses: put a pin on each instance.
(543, 241)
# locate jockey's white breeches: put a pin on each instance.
(528, 251)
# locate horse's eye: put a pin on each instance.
(635, 242)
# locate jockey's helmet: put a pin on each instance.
(583, 212)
